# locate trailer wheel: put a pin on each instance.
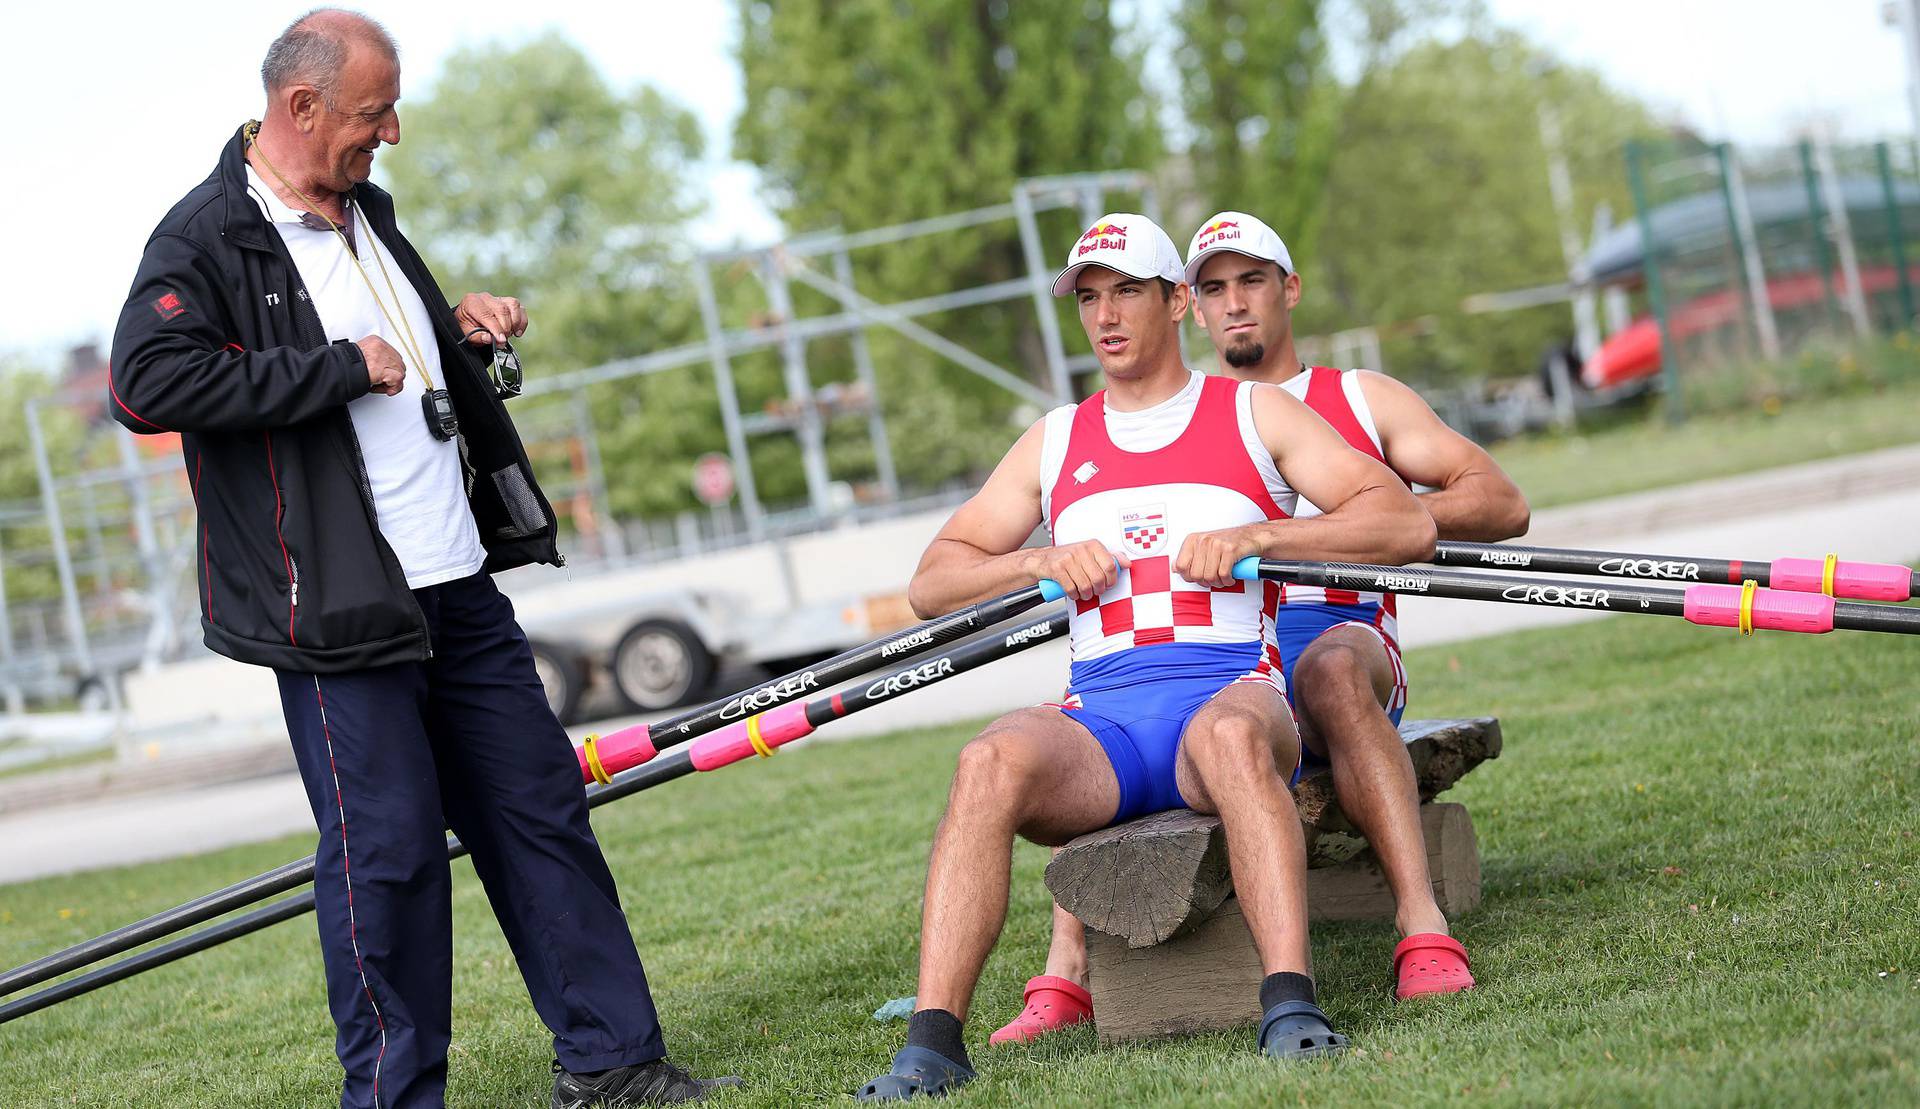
(91, 695)
(562, 677)
(659, 664)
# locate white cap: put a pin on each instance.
(1240, 233)
(1124, 242)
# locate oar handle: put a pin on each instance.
(1749, 606)
(1832, 575)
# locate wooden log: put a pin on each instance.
(1209, 978)
(1152, 879)
(1357, 889)
(1146, 880)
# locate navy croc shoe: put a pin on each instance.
(917, 1072)
(1298, 1030)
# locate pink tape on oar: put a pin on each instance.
(615, 751)
(756, 735)
(1718, 606)
(1859, 581)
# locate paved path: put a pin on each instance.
(1866, 507)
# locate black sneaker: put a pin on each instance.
(655, 1083)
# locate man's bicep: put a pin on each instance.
(1419, 445)
(1313, 458)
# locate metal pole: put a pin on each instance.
(1896, 235)
(1733, 188)
(162, 635)
(1586, 324)
(729, 401)
(1057, 376)
(16, 700)
(613, 543)
(1091, 204)
(1649, 253)
(1906, 16)
(863, 368)
(793, 364)
(1856, 294)
(1817, 218)
(57, 530)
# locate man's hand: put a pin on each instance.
(502, 318)
(1207, 557)
(386, 373)
(1084, 570)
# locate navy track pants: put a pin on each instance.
(391, 757)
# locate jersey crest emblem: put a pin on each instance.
(1143, 530)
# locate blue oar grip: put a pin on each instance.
(1247, 569)
(1050, 590)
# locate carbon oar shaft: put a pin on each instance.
(1861, 581)
(727, 745)
(1725, 606)
(603, 758)
(666, 769)
(627, 748)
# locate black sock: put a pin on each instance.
(938, 1030)
(1284, 985)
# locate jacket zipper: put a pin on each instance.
(293, 585)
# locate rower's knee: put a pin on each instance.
(1233, 747)
(995, 771)
(1331, 675)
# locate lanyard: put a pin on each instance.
(402, 325)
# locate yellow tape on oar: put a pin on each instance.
(593, 762)
(753, 736)
(1747, 590)
(1826, 574)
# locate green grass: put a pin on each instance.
(1700, 888)
(1649, 453)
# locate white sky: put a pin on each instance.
(118, 108)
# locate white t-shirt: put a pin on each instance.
(419, 494)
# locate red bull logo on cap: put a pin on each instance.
(1102, 236)
(1219, 231)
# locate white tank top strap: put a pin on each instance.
(1053, 454)
(1257, 448)
(1357, 400)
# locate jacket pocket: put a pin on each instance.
(523, 508)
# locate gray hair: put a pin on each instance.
(313, 49)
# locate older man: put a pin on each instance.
(357, 479)
(1151, 490)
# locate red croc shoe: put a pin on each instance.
(1429, 963)
(1053, 1003)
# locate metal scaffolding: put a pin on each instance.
(126, 596)
(777, 266)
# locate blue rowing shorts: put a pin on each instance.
(1295, 629)
(1138, 702)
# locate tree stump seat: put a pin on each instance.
(1169, 952)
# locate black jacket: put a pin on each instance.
(218, 341)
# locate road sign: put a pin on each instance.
(713, 479)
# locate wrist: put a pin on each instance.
(1268, 540)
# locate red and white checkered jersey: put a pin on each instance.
(1336, 396)
(1140, 483)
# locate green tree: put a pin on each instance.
(524, 173)
(870, 112)
(1262, 104)
(1438, 190)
